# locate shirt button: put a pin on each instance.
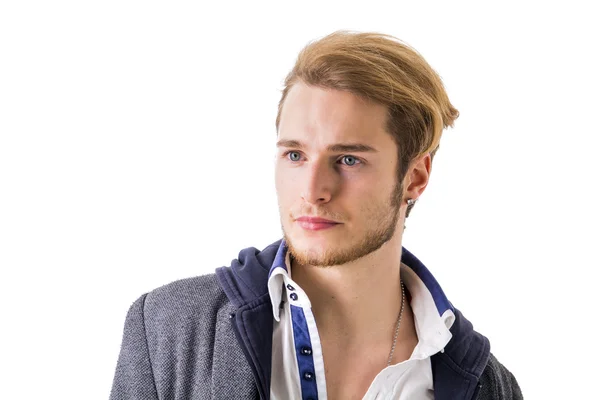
(307, 351)
(290, 287)
(308, 376)
(294, 296)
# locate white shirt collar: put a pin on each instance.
(279, 278)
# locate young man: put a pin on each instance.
(338, 309)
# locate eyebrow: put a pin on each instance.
(338, 147)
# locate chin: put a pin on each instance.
(317, 247)
(305, 241)
(314, 244)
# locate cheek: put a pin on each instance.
(372, 198)
(284, 187)
(279, 180)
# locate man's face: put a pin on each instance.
(316, 176)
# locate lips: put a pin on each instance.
(315, 223)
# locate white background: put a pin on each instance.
(137, 147)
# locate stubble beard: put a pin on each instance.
(381, 229)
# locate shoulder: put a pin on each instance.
(185, 293)
(174, 333)
(497, 382)
(190, 302)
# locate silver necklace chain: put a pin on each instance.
(389, 362)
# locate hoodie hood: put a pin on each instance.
(245, 280)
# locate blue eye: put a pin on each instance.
(349, 160)
(294, 156)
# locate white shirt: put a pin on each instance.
(298, 371)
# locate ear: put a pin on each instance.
(417, 177)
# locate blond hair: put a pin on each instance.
(382, 69)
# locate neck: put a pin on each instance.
(358, 301)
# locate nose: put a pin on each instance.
(319, 182)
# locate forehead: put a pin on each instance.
(317, 115)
